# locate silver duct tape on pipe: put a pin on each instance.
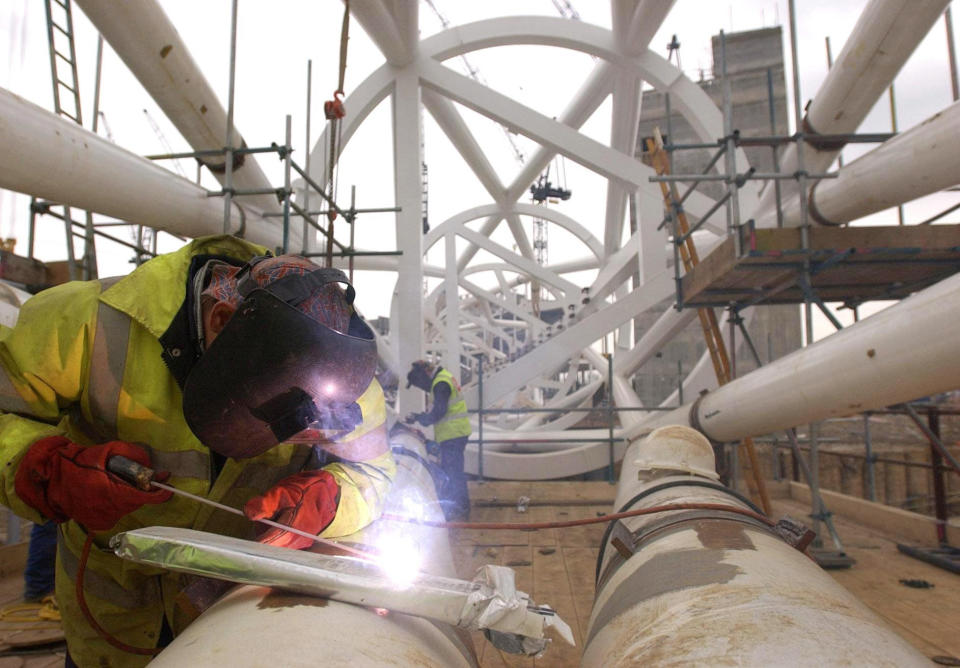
(906, 351)
(149, 45)
(712, 587)
(55, 159)
(257, 625)
(490, 602)
(885, 35)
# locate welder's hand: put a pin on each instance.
(64, 480)
(422, 418)
(306, 501)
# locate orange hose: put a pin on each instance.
(529, 526)
(102, 632)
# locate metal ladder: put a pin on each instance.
(66, 103)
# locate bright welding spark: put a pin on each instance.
(399, 558)
(330, 388)
(412, 505)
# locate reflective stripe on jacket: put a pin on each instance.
(84, 360)
(455, 423)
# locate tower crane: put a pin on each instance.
(474, 74)
(106, 126)
(163, 142)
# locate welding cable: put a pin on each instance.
(533, 526)
(102, 632)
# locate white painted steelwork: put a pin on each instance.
(55, 159)
(711, 587)
(490, 602)
(455, 328)
(905, 352)
(300, 631)
(915, 163)
(629, 62)
(885, 35)
(143, 36)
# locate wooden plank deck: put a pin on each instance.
(554, 566)
(926, 618)
(848, 264)
(557, 567)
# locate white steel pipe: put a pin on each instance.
(150, 46)
(918, 162)
(906, 351)
(260, 626)
(55, 159)
(885, 35)
(713, 587)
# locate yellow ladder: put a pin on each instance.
(660, 162)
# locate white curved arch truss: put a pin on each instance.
(479, 306)
(528, 359)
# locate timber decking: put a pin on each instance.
(557, 566)
(848, 264)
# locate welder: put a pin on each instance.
(245, 379)
(447, 412)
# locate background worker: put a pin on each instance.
(447, 413)
(248, 380)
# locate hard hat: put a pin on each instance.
(677, 448)
(420, 374)
(294, 355)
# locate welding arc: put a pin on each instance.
(532, 526)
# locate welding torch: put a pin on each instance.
(144, 478)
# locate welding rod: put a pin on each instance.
(142, 477)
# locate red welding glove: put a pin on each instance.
(66, 481)
(306, 501)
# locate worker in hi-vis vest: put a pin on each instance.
(245, 379)
(447, 413)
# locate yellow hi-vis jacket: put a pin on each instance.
(84, 360)
(455, 423)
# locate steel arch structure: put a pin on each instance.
(443, 323)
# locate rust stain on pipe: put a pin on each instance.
(663, 574)
(277, 599)
(723, 536)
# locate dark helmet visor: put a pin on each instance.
(273, 372)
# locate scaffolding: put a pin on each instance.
(66, 95)
(806, 265)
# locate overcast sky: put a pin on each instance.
(275, 40)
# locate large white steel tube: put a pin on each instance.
(885, 35)
(148, 44)
(918, 162)
(904, 352)
(55, 159)
(712, 587)
(260, 626)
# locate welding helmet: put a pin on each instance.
(274, 371)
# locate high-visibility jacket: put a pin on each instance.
(84, 360)
(455, 423)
